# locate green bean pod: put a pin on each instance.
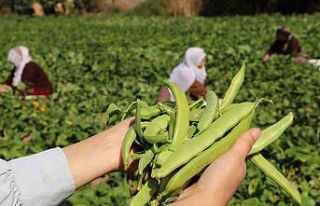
(147, 112)
(145, 160)
(129, 108)
(182, 114)
(126, 145)
(211, 111)
(194, 146)
(162, 121)
(197, 164)
(157, 125)
(145, 194)
(112, 110)
(163, 183)
(159, 138)
(167, 147)
(154, 203)
(140, 181)
(171, 125)
(162, 157)
(196, 114)
(137, 121)
(154, 172)
(234, 88)
(272, 133)
(191, 131)
(270, 171)
(165, 108)
(145, 124)
(226, 108)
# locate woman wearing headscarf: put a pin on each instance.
(28, 72)
(190, 75)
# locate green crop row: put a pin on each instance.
(95, 61)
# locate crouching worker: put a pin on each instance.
(27, 72)
(286, 44)
(190, 76)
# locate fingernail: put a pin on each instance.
(255, 132)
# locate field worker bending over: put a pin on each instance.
(28, 72)
(286, 44)
(190, 75)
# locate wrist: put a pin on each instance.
(109, 147)
(92, 158)
(210, 196)
(97, 155)
(112, 143)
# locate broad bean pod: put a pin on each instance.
(270, 171)
(145, 194)
(159, 138)
(129, 138)
(157, 125)
(137, 121)
(197, 164)
(272, 133)
(196, 114)
(211, 111)
(234, 88)
(145, 160)
(147, 112)
(182, 114)
(200, 142)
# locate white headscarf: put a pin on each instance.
(315, 62)
(185, 74)
(19, 57)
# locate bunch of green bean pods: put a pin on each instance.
(174, 142)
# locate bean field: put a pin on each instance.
(95, 61)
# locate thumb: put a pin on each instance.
(244, 143)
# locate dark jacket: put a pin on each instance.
(290, 47)
(33, 76)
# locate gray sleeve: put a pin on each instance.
(9, 194)
(43, 179)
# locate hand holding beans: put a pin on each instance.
(178, 140)
(222, 178)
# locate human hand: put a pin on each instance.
(223, 177)
(266, 57)
(301, 59)
(97, 155)
(4, 88)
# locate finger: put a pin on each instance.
(128, 121)
(244, 143)
(187, 192)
